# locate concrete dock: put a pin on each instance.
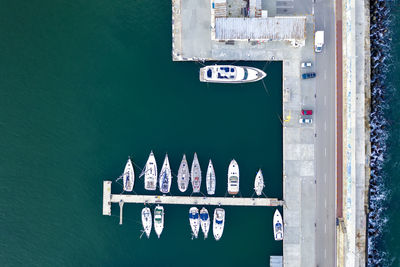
(109, 198)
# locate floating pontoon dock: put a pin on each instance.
(109, 198)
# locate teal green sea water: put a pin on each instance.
(84, 85)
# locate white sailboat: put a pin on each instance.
(230, 74)
(128, 176)
(259, 183)
(146, 221)
(278, 226)
(233, 178)
(196, 174)
(210, 179)
(150, 173)
(218, 223)
(165, 176)
(194, 221)
(204, 221)
(159, 220)
(183, 175)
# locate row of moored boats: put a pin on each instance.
(200, 219)
(197, 220)
(164, 178)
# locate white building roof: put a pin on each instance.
(272, 28)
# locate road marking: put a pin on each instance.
(325, 228)
(325, 151)
(324, 23)
(325, 253)
(325, 75)
(325, 100)
(325, 205)
(325, 126)
(325, 177)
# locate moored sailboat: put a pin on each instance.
(196, 174)
(259, 183)
(165, 176)
(194, 221)
(183, 175)
(204, 222)
(210, 179)
(128, 176)
(150, 173)
(146, 221)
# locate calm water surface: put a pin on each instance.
(84, 85)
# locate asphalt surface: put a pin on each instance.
(325, 110)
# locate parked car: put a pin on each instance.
(306, 112)
(308, 75)
(306, 65)
(305, 121)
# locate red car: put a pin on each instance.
(306, 112)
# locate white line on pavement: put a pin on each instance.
(325, 125)
(325, 253)
(325, 151)
(325, 75)
(325, 205)
(325, 100)
(325, 177)
(325, 228)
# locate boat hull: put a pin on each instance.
(204, 222)
(241, 74)
(146, 221)
(129, 176)
(196, 174)
(150, 175)
(278, 226)
(183, 175)
(218, 223)
(233, 178)
(210, 179)
(194, 220)
(165, 177)
(259, 183)
(159, 220)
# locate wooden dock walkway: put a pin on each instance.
(109, 198)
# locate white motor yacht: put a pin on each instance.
(278, 226)
(218, 223)
(230, 74)
(159, 220)
(204, 221)
(233, 178)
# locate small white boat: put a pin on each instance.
(278, 226)
(194, 220)
(165, 176)
(196, 174)
(146, 221)
(204, 221)
(233, 178)
(159, 220)
(128, 176)
(219, 222)
(210, 179)
(230, 74)
(183, 175)
(150, 173)
(259, 183)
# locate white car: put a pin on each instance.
(306, 65)
(305, 121)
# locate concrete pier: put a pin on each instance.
(109, 198)
(121, 207)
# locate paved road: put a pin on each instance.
(325, 247)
